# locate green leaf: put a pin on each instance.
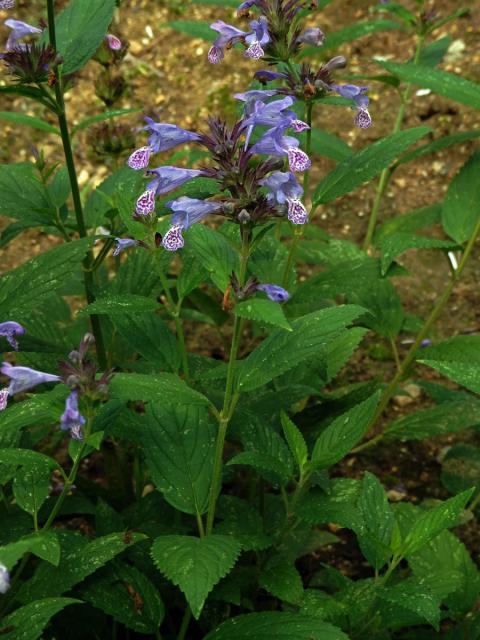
(461, 209)
(399, 11)
(29, 284)
(408, 222)
(457, 359)
(348, 34)
(461, 468)
(448, 417)
(23, 194)
(121, 304)
(432, 522)
(75, 565)
(438, 145)
(395, 244)
(126, 594)
(280, 578)
(179, 441)
(107, 115)
(263, 312)
(214, 253)
(30, 486)
(445, 84)
(166, 387)
(194, 28)
(434, 52)
(339, 506)
(416, 597)
(81, 28)
(195, 565)
(149, 336)
(28, 622)
(59, 187)
(275, 625)
(283, 350)
(327, 145)
(376, 533)
(343, 433)
(28, 121)
(266, 464)
(365, 164)
(242, 521)
(43, 544)
(295, 441)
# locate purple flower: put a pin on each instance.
(285, 189)
(71, 419)
(114, 43)
(257, 39)
(363, 119)
(265, 76)
(140, 158)
(256, 94)
(145, 204)
(275, 143)
(4, 579)
(313, 36)
(186, 211)
(7, 4)
(23, 379)
(19, 30)
(164, 136)
(245, 6)
(168, 178)
(122, 244)
(9, 330)
(3, 398)
(274, 292)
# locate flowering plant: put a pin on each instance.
(198, 379)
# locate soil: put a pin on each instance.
(169, 78)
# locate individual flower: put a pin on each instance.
(186, 211)
(285, 189)
(274, 292)
(7, 4)
(271, 114)
(228, 36)
(140, 158)
(313, 36)
(275, 143)
(256, 94)
(19, 30)
(4, 579)
(363, 119)
(10, 330)
(22, 379)
(168, 178)
(257, 39)
(122, 244)
(164, 136)
(145, 204)
(71, 419)
(114, 43)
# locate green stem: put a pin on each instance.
(230, 399)
(410, 356)
(475, 502)
(387, 173)
(300, 229)
(185, 622)
(77, 201)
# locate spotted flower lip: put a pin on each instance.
(229, 35)
(164, 136)
(186, 211)
(362, 120)
(10, 330)
(275, 143)
(285, 189)
(114, 43)
(24, 378)
(145, 204)
(168, 178)
(7, 4)
(140, 158)
(19, 30)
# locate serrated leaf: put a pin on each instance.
(28, 622)
(365, 164)
(283, 350)
(432, 522)
(30, 485)
(214, 253)
(395, 244)
(80, 30)
(179, 442)
(126, 594)
(457, 359)
(242, 521)
(75, 565)
(295, 440)
(376, 533)
(409, 222)
(263, 312)
(275, 625)
(280, 578)
(445, 84)
(460, 208)
(120, 304)
(461, 468)
(340, 505)
(43, 544)
(162, 386)
(416, 597)
(23, 193)
(264, 463)
(195, 565)
(343, 433)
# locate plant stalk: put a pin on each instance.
(77, 201)
(410, 356)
